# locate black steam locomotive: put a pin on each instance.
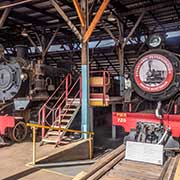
(153, 113)
(24, 86)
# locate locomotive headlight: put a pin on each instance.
(155, 41)
(24, 76)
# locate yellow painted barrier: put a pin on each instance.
(34, 126)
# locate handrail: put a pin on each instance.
(105, 75)
(108, 78)
(53, 108)
(68, 84)
(66, 80)
(70, 104)
(55, 91)
(59, 107)
(104, 72)
(74, 85)
(59, 129)
(34, 126)
(69, 91)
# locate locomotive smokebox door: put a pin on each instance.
(154, 75)
(10, 81)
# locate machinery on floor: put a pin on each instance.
(152, 114)
(24, 86)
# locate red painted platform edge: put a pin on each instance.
(128, 121)
(6, 122)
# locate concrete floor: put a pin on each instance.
(14, 158)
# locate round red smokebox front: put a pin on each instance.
(153, 73)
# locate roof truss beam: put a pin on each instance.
(4, 16)
(79, 12)
(66, 19)
(95, 20)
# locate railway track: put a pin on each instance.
(114, 167)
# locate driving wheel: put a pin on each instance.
(19, 132)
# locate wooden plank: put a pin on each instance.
(135, 172)
(156, 171)
(168, 173)
(95, 20)
(102, 162)
(140, 165)
(163, 172)
(107, 167)
(120, 177)
(172, 174)
(80, 175)
(132, 170)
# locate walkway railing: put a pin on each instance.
(45, 112)
(35, 126)
(104, 81)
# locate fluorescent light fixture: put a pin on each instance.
(24, 33)
(111, 18)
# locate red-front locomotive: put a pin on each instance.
(153, 115)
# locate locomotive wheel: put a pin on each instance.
(19, 132)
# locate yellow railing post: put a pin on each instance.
(90, 147)
(34, 145)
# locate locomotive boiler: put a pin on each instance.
(24, 86)
(153, 113)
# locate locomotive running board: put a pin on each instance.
(144, 152)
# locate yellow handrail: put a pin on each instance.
(61, 129)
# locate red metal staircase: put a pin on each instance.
(62, 113)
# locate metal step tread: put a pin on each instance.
(69, 115)
(50, 140)
(64, 142)
(70, 109)
(62, 120)
(62, 126)
(73, 106)
(72, 101)
(65, 120)
(55, 133)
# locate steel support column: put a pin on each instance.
(85, 124)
